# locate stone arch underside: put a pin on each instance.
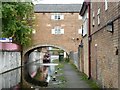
(44, 45)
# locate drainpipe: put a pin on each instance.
(89, 39)
(21, 82)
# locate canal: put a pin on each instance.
(39, 74)
(36, 73)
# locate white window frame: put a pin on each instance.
(91, 5)
(98, 16)
(85, 28)
(106, 5)
(57, 16)
(85, 24)
(57, 30)
(93, 22)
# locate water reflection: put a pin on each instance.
(41, 71)
(10, 79)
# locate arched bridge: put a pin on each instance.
(57, 27)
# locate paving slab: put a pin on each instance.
(74, 80)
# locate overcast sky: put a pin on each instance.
(59, 1)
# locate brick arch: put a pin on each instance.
(30, 49)
(44, 45)
(26, 57)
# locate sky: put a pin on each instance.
(58, 1)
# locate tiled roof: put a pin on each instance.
(57, 8)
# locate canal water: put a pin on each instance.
(40, 72)
(36, 70)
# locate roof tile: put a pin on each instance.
(57, 8)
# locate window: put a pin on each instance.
(85, 25)
(91, 5)
(106, 4)
(57, 16)
(57, 30)
(98, 16)
(93, 22)
(85, 28)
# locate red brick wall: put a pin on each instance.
(43, 35)
(119, 47)
(104, 61)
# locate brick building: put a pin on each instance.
(104, 40)
(84, 61)
(58, 25)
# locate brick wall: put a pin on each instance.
(119, 47)
(44, 24)
(84, 58)
(74, 58)
(104, 61)
(85, 55)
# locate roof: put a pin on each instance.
(55, 8)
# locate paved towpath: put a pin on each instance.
(74, 80)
